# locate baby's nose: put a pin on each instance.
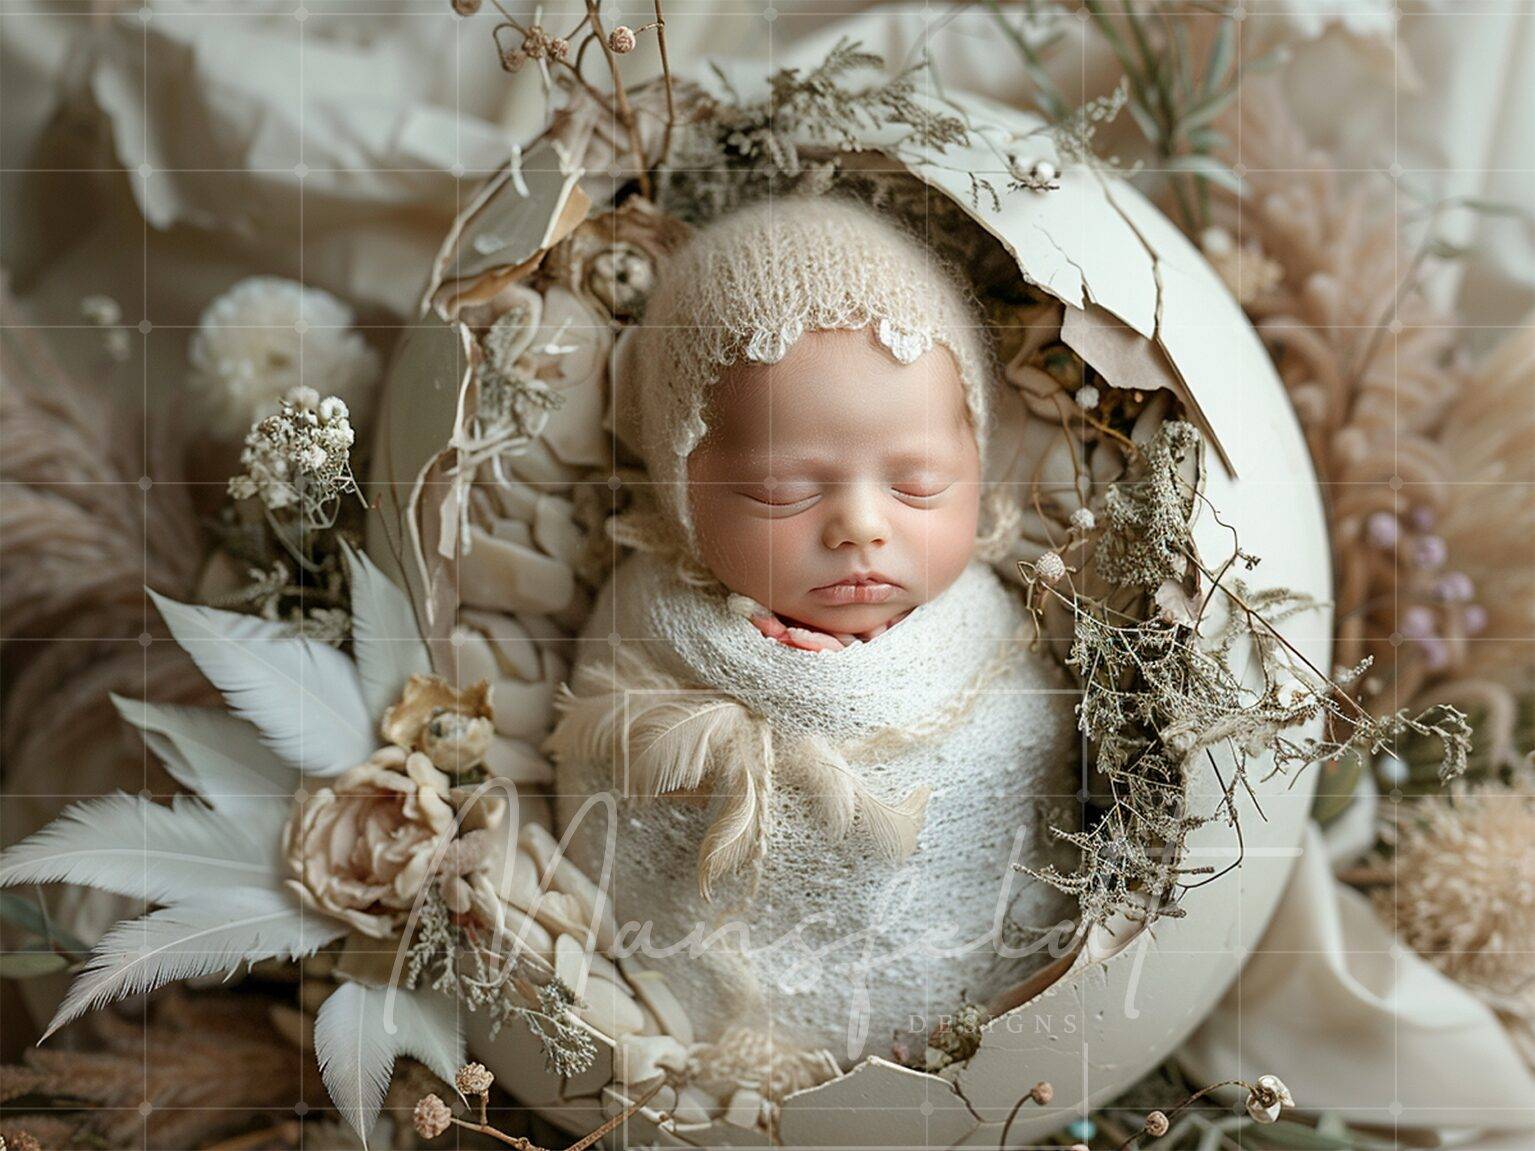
(857, 517)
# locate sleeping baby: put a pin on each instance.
(813, 704)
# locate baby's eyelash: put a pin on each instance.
(925, 491)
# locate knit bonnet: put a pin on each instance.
(748, 285)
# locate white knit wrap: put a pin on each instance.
(1003, 770)
(750, 284)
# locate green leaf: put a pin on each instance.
(31, 964)
(1207, 168)
(1209, 140)
(1206, 110)
(1144, 121)
(28, 915)
(1221, 53)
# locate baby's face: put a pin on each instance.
(838, 464)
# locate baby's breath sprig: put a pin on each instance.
(298, 466)
(458, 961)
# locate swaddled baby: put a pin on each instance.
(814, 706)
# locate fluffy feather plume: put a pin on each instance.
(668, 737)
(211, 934)
(305, 697)
(360, 1031)
(148, 852)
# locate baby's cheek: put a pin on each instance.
(945, 541)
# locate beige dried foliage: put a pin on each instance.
(1372, 367)
(79, 540)
(208, 1065)
(1489, 437)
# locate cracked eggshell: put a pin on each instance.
(1145, 309)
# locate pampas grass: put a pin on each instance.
(1405, 438)
(79, 540)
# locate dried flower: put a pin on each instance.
(1429, 553)
(361, 849)
(105, 312)
(1087, 397)
(1042, 1093)
(452, 728)
(1464, 895)
(1383, 530)
(473, 1079)
(1156, 1124)
(266, 336)
(621, 278)
(1050, 567)
(1267, 1099)
(1083, 520)
(299, 458)
(1247, 271)
(431, 1117)
(621, 40)
(466, 7)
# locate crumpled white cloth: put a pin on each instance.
(845, 946)
(1357, 1024)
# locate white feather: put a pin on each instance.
(213, 753)
(304, 697)
(133, 847)
(213, 934)
(386, 639)
(357, 1038)
(894, 827)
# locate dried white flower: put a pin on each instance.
(105, 312)
(266, 336)
(1464, 896)
(1088, 397)
(1083, 520)
(299, 458)
(1050, 567)
(621, 40)
(1268, 1098)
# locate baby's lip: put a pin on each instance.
(860, 578)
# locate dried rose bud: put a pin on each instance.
(473, 1079)
(1156, 1125)
(1042, 1093)
(621, 40)
(466, 7)
(432, 1117)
